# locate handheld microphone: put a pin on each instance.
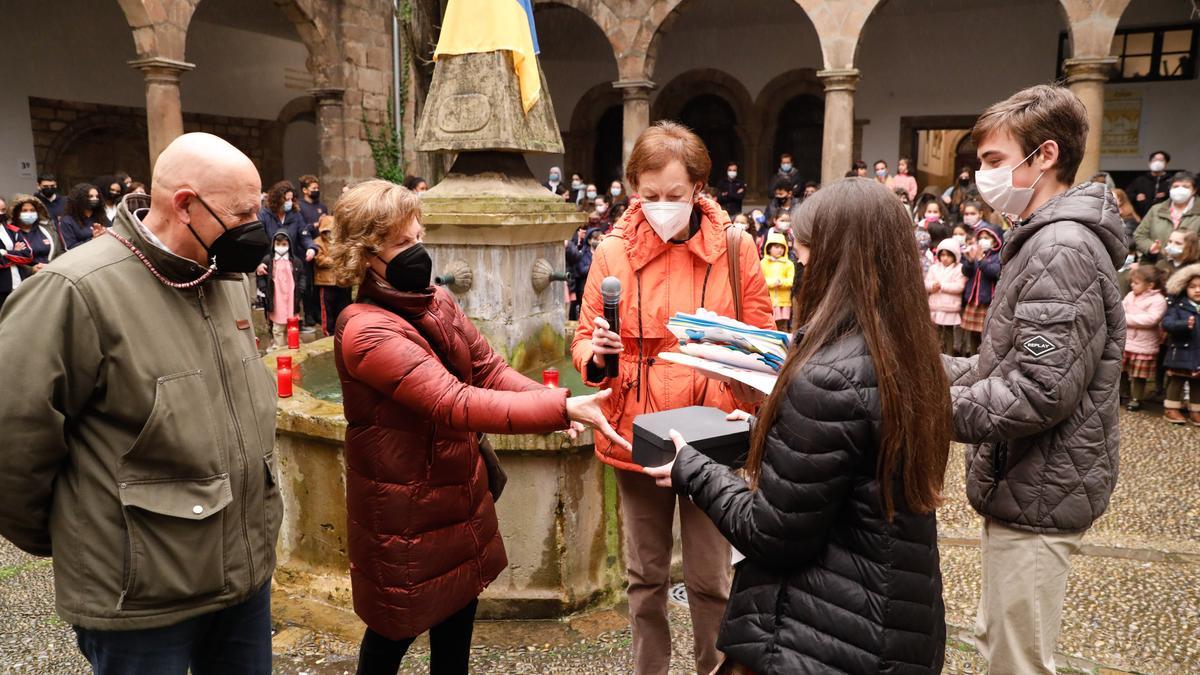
(610, 291)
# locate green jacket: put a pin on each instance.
(1157, 225)
(138, 445)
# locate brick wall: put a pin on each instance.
(79, 141)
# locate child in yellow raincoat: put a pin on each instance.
(779, 272)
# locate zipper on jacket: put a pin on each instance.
(999, 461)
(237, 425)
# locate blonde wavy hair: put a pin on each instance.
(365, 218)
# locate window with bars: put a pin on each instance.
(1148, 54)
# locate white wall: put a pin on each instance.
(914, 61)
(77, 50)
(240, 73)
(1168, 108)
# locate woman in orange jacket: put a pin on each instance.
(671, 253)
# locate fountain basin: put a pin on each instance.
(558, 514)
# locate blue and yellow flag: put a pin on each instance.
(477, 26)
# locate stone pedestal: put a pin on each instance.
(837, 146)
(492, 217)
(636, 114)
(164, 112)
(1086, 77)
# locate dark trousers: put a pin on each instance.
(310, 296)
(946, 339)
(236, 639)
(332, 300)
(449, 647)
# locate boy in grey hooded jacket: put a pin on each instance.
(1039, 405)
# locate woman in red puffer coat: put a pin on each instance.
(420, 385)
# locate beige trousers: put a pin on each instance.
(647, 515)
(1023, 581)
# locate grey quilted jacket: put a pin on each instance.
(1039, 404)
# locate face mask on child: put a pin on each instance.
(281, 251)
(985, 244)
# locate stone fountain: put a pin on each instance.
(496, 238)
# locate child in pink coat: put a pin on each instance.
(1144, 309)
(945, 283)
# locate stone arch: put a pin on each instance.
(159, 26)
(581, 137)
(305, 154)
(127, 120)
(600, 14)
(1091, 25)
(315, 22)
(299, 108)
(775, 96)
(840, 26)
(692, 84)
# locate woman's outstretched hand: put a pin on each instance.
(662, 474)
(586, 410)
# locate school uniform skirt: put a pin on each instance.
(973, 316)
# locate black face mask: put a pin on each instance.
(115, 194)
(410, 270)
(315, 195)
(48, 192)
(238, 250)
(93, 203)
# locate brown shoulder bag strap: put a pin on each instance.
(733, 244)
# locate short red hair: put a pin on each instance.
(663, 143)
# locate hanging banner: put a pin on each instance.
(1120, 135)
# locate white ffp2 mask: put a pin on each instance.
(997, 189)
(667, 218)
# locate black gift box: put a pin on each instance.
(704, 428)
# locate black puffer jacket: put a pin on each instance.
(828, 584)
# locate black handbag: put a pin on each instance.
(496, 476)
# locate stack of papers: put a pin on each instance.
(726, 349)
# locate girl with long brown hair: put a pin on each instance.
(845, 469)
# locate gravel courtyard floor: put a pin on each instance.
(1133, 598)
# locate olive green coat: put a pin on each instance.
(1157, 225)
(138, 438)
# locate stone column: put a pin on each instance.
(331, 132)
(164, 113)
(1086, 77)
(637, 114)
(837, 146)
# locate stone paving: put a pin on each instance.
(1133, 598)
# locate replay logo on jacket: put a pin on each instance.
(1038, 346)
